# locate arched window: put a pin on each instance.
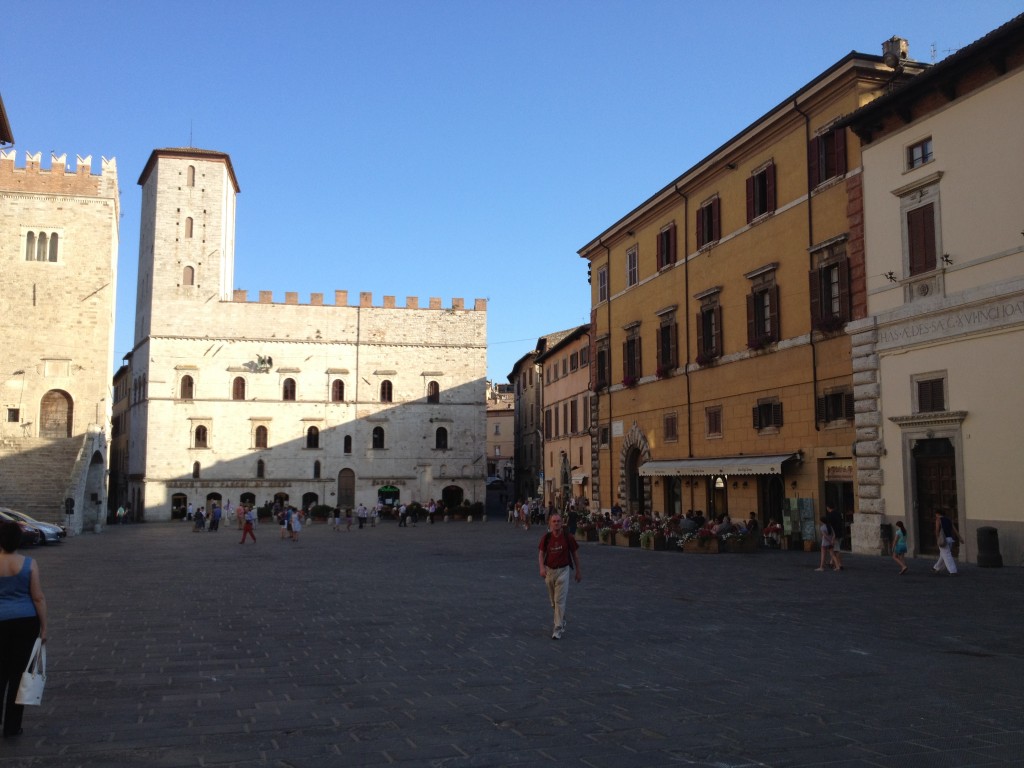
(53, 247)
(261, 469)
(378, 437)
(348, 444)
(261, 437)
(188, 228)
(441, 439)
(385, 391)
(195, 470)
(312, 437)
(188, 276)
(288, 390)
(30, 247)
(433, 392)
(238, 388)
(337, 391)
(201, 436)
(187, 388)
(190, 176)
(316, 470)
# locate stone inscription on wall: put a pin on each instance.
(996, 314)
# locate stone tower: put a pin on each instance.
(186, 238)
(58, 251)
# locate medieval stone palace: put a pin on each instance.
(223, 398)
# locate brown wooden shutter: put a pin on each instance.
(671, 259)
(820, 410)
(717, 314)
(773, 312)
(701, 240)
(661, 250)
(921, 239)
(840, 150)
(716, 219)
(750, 199)
(848, 406)
(751, 323)
(625, 359)
(757, 417)
(813, 173)
(776, 414)
(770, 186)
(701, 344)
(844, 289)
(814, 287)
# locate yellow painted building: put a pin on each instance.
(722, 379)
(565, 368)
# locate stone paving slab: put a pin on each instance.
(430, 646)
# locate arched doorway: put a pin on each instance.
(309, 500)
(247, 499)
(281, 498)
(452, 496)
(179, 506)
(346, 488)
(634, 486)
(56, 412)
(388, 495)
(564, 482)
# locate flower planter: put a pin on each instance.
(660, 542)
(630, 539)
(647, 543)
(741, 545)
(701, 546)
(590, 534)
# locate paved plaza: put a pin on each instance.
(430, 646)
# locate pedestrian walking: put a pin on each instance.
(348, 518)
(22, 620)
(336, 518)
(945, 534)
(828, 542)
(247, 521)
(899, 550)
(557, 555)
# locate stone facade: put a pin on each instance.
(312, 403)
(58, 248)
(937, 361)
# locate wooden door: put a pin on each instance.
(935, 468)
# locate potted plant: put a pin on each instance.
(630, 381)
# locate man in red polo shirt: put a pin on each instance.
(557, 554)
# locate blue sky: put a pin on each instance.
(452, 148)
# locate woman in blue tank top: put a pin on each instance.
(22, 620)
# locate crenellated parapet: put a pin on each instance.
(59, 178)
(365, 301)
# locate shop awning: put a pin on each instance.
(729, 465)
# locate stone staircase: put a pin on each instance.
(36, 473)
